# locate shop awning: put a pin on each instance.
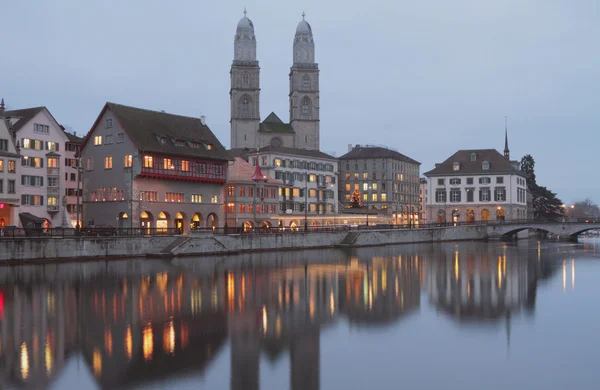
(30, 220)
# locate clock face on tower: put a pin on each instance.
(276, 142)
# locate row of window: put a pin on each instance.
(11, 188)
(482, 180)
(35, 181)
(485, 165)
(365, 176)
(300, 176)
(12, 166)
(397, 166)
(521, 195)
(484, 195)
(288, 193)
(38, 162)
(37, 200)
(36, 144)
(107, 139)
(249, 191)
(374, 197)
(299, 164)
(403, 188)
(39, 128)
(312, 207)
(113, 194)
(248, 208)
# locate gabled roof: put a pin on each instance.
(366, 152)
(25, 114)
(241, 170)
(73, 138)
(272, 124)
(154, 131)
(498, 164)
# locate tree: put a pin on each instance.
(545, 202)
(355, 201)
(584, 209)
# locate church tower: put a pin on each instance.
(245, 87)
(304, 89)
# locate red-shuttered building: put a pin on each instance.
(152, 169)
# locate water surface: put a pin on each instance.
(457, 315)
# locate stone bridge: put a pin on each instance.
(565, 229)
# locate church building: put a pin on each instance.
(302, 130)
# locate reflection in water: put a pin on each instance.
(136, 322)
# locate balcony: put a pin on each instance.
(53, 171)
(53, 208)
(159, 173)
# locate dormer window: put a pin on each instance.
(456, 166)
(485, 165)
(473, 156)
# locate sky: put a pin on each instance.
(424, 77)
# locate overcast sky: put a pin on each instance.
(425, 77)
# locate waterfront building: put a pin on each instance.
(247, 131)
(252, 198)
(152, 169)
(476, 185)
(386, 181)
(72, 181)
(41, 140)
(9, 173)
(309, 177)
(423, 195)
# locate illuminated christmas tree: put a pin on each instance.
(355, 201)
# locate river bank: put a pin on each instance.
(15, 251)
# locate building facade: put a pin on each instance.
(423, 195)
(41, 140)
(73, 190)
(252, 198)
(152, 170)
(247, 131)
(476, 185)
(9, 174)
(386, 181)
(309, 189)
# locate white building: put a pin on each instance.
(41, 140)
(293, 166)
(9, 174)
(476, 185)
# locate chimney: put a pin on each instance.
(162, 111)
(203, 120)
(349, 147)
(2, 105)
(74, 133)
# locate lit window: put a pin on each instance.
(374, 197)
(185, 165)
(374, 186)
(213, 199)
(277, 162)
(384, 197)
(1, 165)
(196, 198)
(148, 161)
(108, 162)
(209, 146)
(26, 143)
(98, 140)
(168, 163)
(128, 160)
(456, 166)
(12, 166)
(52, 162)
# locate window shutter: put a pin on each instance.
(23, 199)
(41, 181)
(459, 195)
(41, 163)
(41, 200)
(23, 161)
(57, 147)
(23, 180)
(480, 195)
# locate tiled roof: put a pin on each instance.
(25, 114)
(368, 152)
(498, 164)
(73, 138)
(272, 124)
(158, 132)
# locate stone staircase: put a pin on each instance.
(349, 239)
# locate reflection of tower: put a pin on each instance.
(245, 361)
(305, 363)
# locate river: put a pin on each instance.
(467, 315)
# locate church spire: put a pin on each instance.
(506, 150)
(2, 105)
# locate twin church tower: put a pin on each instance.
(247, 131)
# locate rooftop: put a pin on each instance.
(471, 162)
(373, 151)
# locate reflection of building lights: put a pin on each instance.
(148, 342)
(97, 362)
(277, 325)
(370, 299)
(264, 319)
(48, 354)
(128, 343)
(108, 341)
(396, 286)
(184, 336)
(564, 274)
(196, 300)
(331, 303)
(384, 280)
(573, 274)
(456, 266)
(231, 291)
(24, 361)
(215, 298)
(162, 279)
(169, 338)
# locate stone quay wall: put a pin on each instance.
(47, 249)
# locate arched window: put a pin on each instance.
(245, 79)
(306, 81)
(245, 107)
(306, 109)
